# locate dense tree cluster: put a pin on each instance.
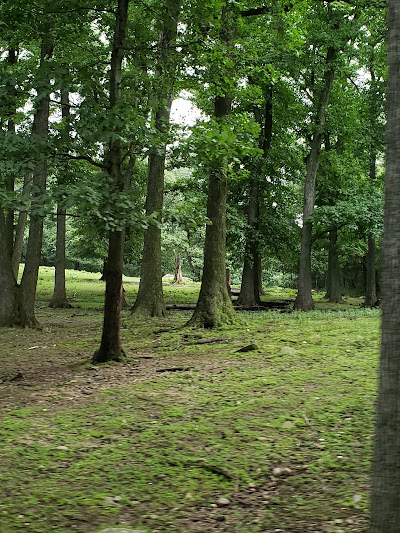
(281, 171)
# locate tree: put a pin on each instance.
(150, 299)
(214, 305)
(110, 346)
(59, 298)
(304, 300)
(385, 499)
(251, 288)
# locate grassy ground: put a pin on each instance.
(188, 435)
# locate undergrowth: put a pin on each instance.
(188, 435)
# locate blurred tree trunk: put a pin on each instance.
(385, 498)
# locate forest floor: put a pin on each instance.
(190, 434)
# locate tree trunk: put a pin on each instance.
(8, 284)
(249, 293)
(259, 275)
(59, 298)
(334, 289)
(370, 274)
(178, 278)
(370, 268)
(385, 499)
(27, 289)
(214, 305)
(150, 297)
(21, 225)
(10, 182)
(110, 346)
(124, 301)
(250, 289)
(304, 301)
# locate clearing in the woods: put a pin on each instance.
(190, 434)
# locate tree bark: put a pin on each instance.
(250, 289)
(334, 289)
(385, 498)
(59, 298)
(21, 225)
(110, 346)
(10, 181)
(150, 297)
(370, 274)
(259, 275)
(304, 301)
(27, 289)
(214, 305)
(8, 284)
(178, 278)
(370, 268)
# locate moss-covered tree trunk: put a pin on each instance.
(150, 297)
(304, 301)
(110, 346)
(385, 500)
(214, 305)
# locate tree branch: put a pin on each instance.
(323, 232)
(77, 10)
(83, 158)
